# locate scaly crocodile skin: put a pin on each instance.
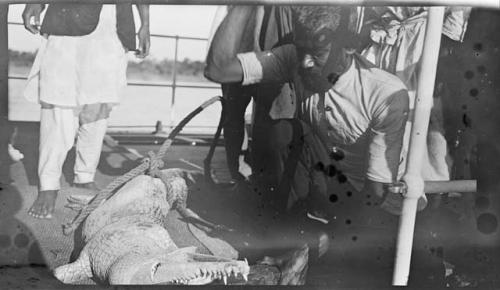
(127, 243)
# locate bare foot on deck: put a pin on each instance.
(43, 207)
(88, 185)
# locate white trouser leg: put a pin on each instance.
(88, 150)
(57, 135)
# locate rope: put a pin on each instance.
(208, 160)
(150, 164)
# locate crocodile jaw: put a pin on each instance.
(186, 268)
(198, 273)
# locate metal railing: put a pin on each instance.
(495, 4)
(173, 84)
(412, 179)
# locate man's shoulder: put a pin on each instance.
(383, 80)
(378, 79)
(383, 89)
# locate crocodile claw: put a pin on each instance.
(222, 228)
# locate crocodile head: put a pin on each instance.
(184, 267)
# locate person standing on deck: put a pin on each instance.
(268, 27)
(78, 76)
(395, 44)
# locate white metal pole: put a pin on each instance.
(438, 187)
(418, 137)
(174, 84)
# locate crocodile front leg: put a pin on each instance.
(177, 190)
(76, 271)
(199, 222)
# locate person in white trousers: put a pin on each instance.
(77, 79)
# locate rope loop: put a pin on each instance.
(155, 163)
(150, 165)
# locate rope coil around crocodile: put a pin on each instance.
(149, 165)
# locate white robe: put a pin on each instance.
(72, 71)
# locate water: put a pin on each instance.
(141, 107)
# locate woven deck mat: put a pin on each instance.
(37, 246)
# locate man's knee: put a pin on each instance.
(236, 100)
(280, 134)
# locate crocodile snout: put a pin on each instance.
(198, 273)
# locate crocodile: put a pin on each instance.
(126, 241)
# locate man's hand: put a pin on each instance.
(144, 41)
(32, 11)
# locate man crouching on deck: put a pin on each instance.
(351, 115)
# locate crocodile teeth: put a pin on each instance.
(225, 279)
(245, 276)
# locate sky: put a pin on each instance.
(183, 20)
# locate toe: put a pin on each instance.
(48, 209)
(34, 214)
(42, 213)
(34, 211)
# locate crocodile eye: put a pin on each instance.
(153, 269)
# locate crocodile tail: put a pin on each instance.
(74, 272)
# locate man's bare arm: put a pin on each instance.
(222, 65)
(32, 11)
(143, 34)
(378, 189)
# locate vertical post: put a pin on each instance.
(5, 130)
(418, 137)
(174, 83)
(4, 61)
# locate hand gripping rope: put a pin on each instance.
(149, 165)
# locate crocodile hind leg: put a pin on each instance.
(177, 193)
(74, 272)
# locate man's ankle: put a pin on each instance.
(48, 191)
(86, 185)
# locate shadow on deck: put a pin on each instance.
(362, 238)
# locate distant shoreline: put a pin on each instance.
(148, 70)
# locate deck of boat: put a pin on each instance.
(362, 237)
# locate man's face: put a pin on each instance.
(314, 48)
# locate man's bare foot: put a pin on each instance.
(87, 185)
(43, 207)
